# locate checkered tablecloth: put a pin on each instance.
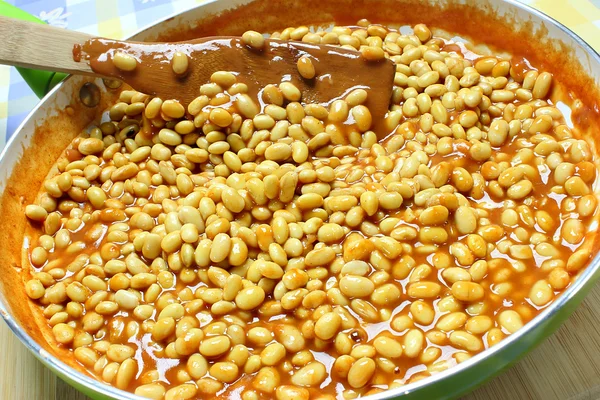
(120, 18)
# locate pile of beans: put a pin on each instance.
(273, 249)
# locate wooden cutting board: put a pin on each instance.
(566, 366)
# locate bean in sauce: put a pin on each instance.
(257, 246)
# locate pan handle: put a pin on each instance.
(39, 81)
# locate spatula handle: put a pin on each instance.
(40, 82)
(38, 46)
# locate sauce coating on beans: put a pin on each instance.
(267, 248)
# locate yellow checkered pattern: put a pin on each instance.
(581, 16)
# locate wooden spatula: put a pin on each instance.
(149, 67)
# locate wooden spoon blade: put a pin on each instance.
(338, 70)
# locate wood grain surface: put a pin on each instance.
(566, 366)
(47, 48)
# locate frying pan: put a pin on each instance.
(506, 25)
